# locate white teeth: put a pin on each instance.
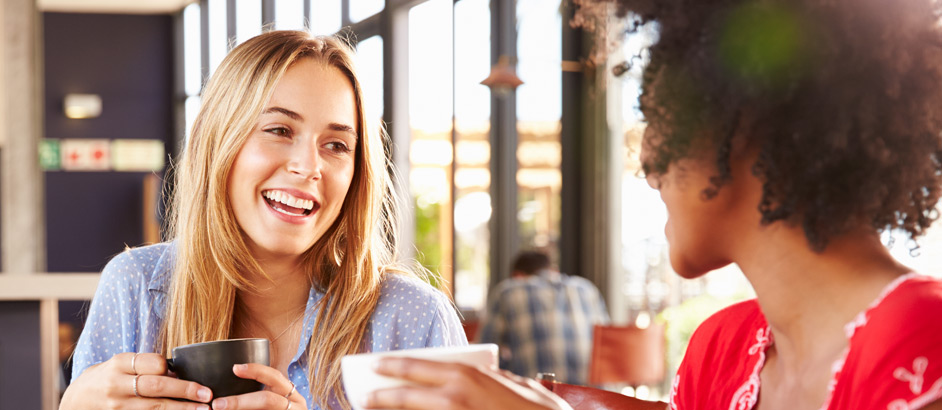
(288, 199)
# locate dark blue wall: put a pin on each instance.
(128, 61)
(20, 376)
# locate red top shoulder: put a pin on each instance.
(893, 360)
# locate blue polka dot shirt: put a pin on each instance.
(129, 307)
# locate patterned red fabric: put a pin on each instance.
(893, 360)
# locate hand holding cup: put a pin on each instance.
(236, 370)
(134, 381)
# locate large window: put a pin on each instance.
(539, 110)
(361, 9)
(472, 168)
(218, 32)
(192, 71)
(430, 116)
(449, 117)
(289, 15)
(248, 19)
(325, 16)
(369, 61)
(924, 255)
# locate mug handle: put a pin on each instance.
(170, 365)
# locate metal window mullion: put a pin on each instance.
(230, 24)
(374, 25)
(268, 14)
(345, 13)
(504, 225)
(204, 43)
(570, 235)
(395, 31)
(307, 14)
(179, 85)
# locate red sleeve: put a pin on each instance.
(718, 361)
(895, 359)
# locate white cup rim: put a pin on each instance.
(432, 351)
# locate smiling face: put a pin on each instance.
(289, 179)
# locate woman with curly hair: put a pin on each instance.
(282, 224)
(784, 137)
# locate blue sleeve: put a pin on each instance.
(411, 314)
(112, 324)
(446, 329)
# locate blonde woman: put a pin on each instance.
(282, 222)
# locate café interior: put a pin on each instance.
(514, 125)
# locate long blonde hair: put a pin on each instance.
(213, 261)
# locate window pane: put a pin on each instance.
(192, 74)
(927, 258)
(248, 19)
(369, 62)
(190, 109)
(430, 112)
(473, 153)
(539, 109)
(325, 16)
(289, 15)
(361, 9)
(218, 41)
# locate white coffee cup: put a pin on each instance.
(359, 379)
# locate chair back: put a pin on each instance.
(590, 398)
(627, 355)
(471, 327)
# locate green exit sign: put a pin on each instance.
(49, 158)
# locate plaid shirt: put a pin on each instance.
(543, 323)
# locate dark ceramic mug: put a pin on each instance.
(210, 364)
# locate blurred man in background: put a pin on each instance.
(542, 320)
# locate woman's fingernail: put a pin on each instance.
(202, 407)
(241, 367)
(204, 394)
(379, 364)
(219, 404)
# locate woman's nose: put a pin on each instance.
(304, 162)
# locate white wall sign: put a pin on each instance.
(86, 154)
(137, 155)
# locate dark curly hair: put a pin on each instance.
(842, 100)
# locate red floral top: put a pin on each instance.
(893, 360)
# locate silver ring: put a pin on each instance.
(134, 362)
(289, 405)
(134, 385)
(290, 392)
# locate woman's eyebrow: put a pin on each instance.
(290, 114)
(334, 126)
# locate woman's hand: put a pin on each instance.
(133, 381)
(280, 393)
(459, 387)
